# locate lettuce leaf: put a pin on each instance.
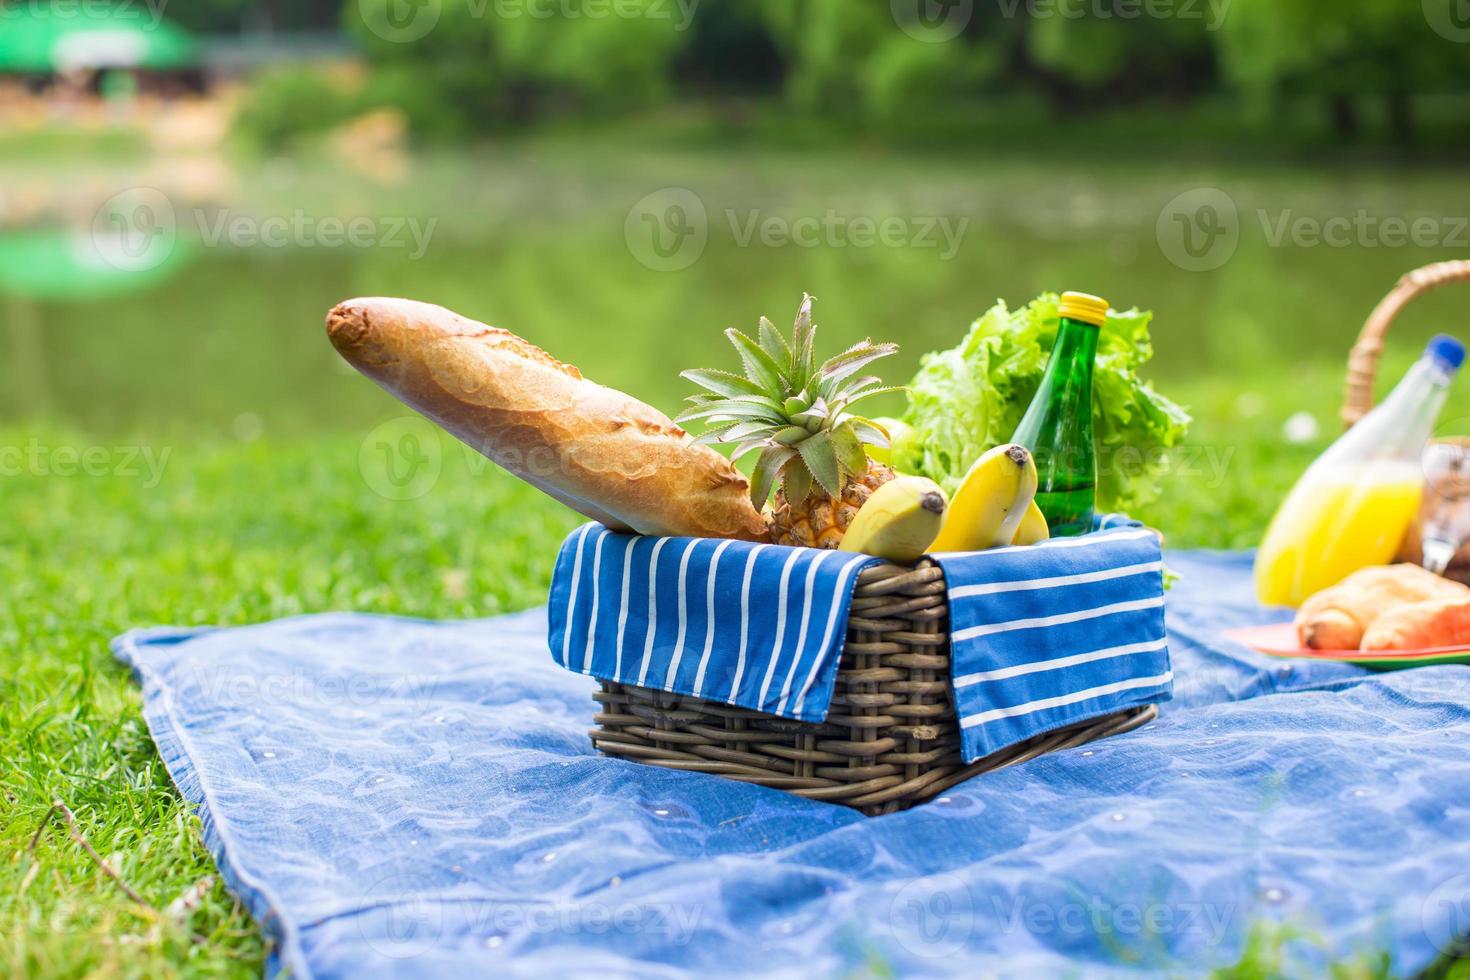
(970, 398)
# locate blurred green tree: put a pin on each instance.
(902, 66)
(483, 63)
(1340, 51)
(862, 60)
(730, 51)
(294, 101)
(1081, 54)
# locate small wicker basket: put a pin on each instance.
(891, 739)
(1440, 496)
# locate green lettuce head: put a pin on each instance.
(968, 399)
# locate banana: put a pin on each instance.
(1033, 529)
(898, 521)
(991, 502)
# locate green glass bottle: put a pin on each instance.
(1057, 427)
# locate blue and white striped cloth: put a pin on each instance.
(754, 625)
(1043, 636)
(1052, 634)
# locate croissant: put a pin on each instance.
(1337, 618)
(1421, 625)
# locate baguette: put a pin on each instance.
(597, 450)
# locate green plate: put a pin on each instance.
(1280, 640)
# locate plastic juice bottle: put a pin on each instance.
(1057, 427)
(1353, 505)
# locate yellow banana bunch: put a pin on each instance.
(992, 503)
(1033, 529)
(898, 521)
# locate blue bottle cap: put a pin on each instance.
(1447, 350)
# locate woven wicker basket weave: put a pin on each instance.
(891, 738)
(1363, 360)
(1358, 397)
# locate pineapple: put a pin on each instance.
(795, 413)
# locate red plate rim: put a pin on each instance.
(1279, 640)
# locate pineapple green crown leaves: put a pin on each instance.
(792, 409)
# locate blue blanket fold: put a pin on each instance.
(403, 798)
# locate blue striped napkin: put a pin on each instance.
(754, 625)
(1052, 634)
(1044, 636)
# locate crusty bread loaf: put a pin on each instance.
(1421, 626)
(1336, 618)
(595, 449)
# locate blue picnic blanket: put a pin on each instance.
(1044, 636)
(395, 797)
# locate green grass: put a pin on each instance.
(231, 535)
(236, 533)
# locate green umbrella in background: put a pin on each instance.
(34, 38)
(65, 265)
(69, 265)
(131, 243)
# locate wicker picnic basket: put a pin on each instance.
(891, 738)
(1451, 490)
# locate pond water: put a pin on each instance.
(189, 294)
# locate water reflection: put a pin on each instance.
(107, 328)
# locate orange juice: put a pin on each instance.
(1353, 505)
(1334, 523)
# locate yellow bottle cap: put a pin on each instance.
(1084, 307)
